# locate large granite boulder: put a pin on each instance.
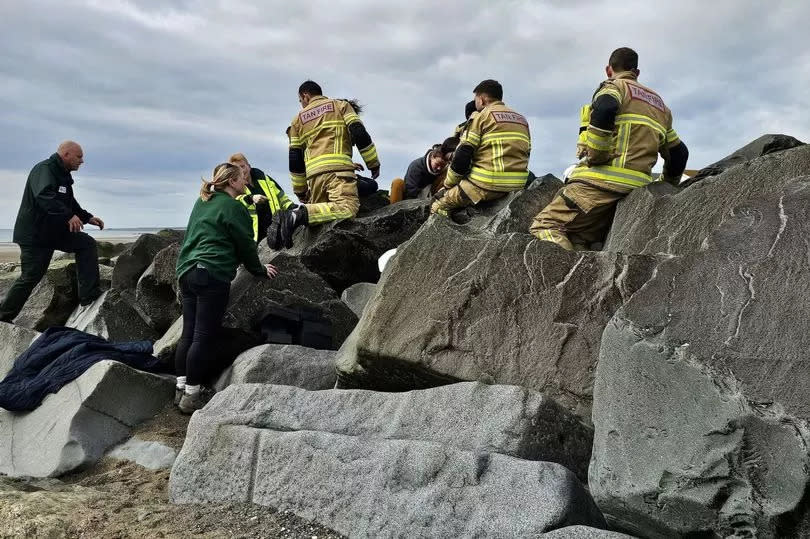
(660, 219)
(296, 307)
(53, 299)
(456, 304)
(764, 145)
(113, 316)
(156, 291)
(584, 532)
(702, 396)
(516, 212)
(14, 340)
(131, 263)
(282, 364)
(75, 426)
(367, 464)
(167, 344)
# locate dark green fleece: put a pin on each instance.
(219, 237)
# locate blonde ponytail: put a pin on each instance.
(223, 173)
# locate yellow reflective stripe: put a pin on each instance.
(612, 92)
(507, 179)
(298, 181)
(472, 138)
(295, 140)
(507, 135)
(585, 116)
(452, 178)
(638, 119)
(622, 146)
(329, 157)
(672, 136)
(351, 118)
(369, 153)
(623, 176)
(597, 141)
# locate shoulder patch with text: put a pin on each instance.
(648, 97)
(317, 112)
(502, 116)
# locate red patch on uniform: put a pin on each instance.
(651, 98)
(317, 112)
(502, 116)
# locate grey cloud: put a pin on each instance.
(159, 92)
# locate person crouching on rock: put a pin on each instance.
(219, 236)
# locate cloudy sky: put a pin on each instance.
(158, 92)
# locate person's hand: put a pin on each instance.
(96, 221)
(75, 224)
(375, 173)
(271, 270)
(303, 197)
(259, 199)
(358, 167)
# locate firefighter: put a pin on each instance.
(321, 168)
(492, 158)
(263, 196)
(629, 125)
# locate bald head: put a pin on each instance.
(71, 154)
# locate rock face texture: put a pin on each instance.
(503, 308)
(156, 291)
(114, 317)
(53, 299)
(131, 263)
(14, 340)
(663, 219)
(358, 460)
(345, 252)
(75, 426)
(288, 365)
(357, 296)
(702, 395)
(296, 307)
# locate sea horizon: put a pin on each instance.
(127, 232)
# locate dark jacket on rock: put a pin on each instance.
(418, 176)
(59, 356)
(47, 205)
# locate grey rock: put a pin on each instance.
(77, 425)
(373, 202)
(114, 317)
(282, 364)
(296, 289)
(414, 473)
(53, 299)
(156, 291)
(677, 222)
(345, 252)
(519, 209)
(14, 340)
(131, 263)
(702, 397)
(165, 347)
(455, 304)
(764, 145)
(584, 532)
(151, 455)
(357, 295)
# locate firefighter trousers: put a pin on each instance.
(462, 195)
(332, 196)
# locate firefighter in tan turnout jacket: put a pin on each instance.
(321, 168)
(629, 126)
(492, 158)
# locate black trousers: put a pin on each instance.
(204, 301)
(35, 261)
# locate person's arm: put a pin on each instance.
(78, 211)
(284, 201)
(461, 165)
(240, 228)
(361, 139)
(45, 189)
(298, 168)
(599, 135)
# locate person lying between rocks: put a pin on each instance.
(219, 236)
(428, 170)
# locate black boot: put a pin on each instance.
(282, 226)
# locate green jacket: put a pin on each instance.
(261, 214)
(219, 237)
(47, 205)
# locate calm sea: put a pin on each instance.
(6, 233)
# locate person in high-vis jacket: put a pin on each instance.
(629, 125)
(492, 158)
(321, 167)
(263, 196)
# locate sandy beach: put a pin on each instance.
(10, 252)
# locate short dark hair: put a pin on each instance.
(623, 59)
(310, 87)
(449, 145)
(490, 87)
(469, 108)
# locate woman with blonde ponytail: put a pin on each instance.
(219, 237)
